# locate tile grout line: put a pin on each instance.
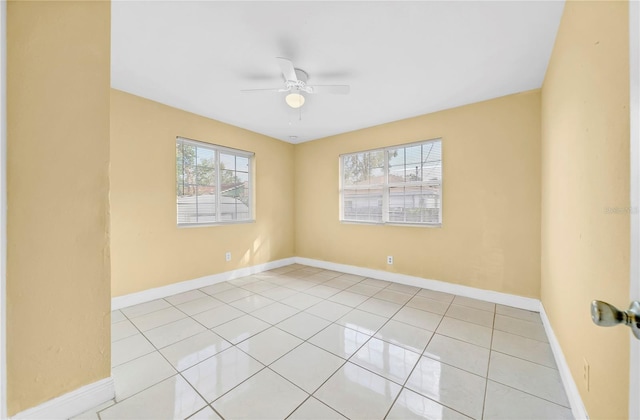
(523, 336)
(150, 386)
(311, 395)
(486, 382)
(530, 394)
(330, 323)
(235, 345)
(180, 372)
(370, 337)
(422, 354)
(295, 347)
(275, 372)
(319, 401)
(523, 359)
(402, 387)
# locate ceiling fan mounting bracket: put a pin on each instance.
(300, 84)
(295, 80)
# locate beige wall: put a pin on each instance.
(496, 174)
(585, 169)
(490, 236)
(58, 300)
(148, 249)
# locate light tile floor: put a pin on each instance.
(304, 343)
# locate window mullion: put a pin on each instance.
(250, 186)
(341, 189)
(218, 176)
(183, 169)
(195, 168)
(385, 188)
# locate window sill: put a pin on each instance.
(421, 225)
(197, 225)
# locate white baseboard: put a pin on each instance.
(72, 403)
(185, 286)
(573, 395)
(530, 304)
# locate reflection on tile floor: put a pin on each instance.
(304, 343)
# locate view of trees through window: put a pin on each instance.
(400, 184)
(212, 183)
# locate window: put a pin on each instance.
(399, 184)
(213, 183)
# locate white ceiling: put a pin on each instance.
(401, 59)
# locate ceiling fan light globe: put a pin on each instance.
(294, 100)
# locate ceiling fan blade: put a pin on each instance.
(334, 89)
(264, 90)
(286, 66)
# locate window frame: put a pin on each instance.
(386, 186)
(217, 149)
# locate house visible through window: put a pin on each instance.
(400, 184)
(213, 183)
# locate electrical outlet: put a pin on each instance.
(585, 373)
(390, 259)
(227, 256)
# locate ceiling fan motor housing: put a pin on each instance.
(299, 84)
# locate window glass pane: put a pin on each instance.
(375, 167)
(233, 189)
(365, 168)
(414, 204)
(242, 163)
(396, 204)
(242, 177)
(413, 155)
(227, 161)
(397, 165)
(414, 173)
(188, 164)
(179, 162)
(243, 197)
(396, 174)
(187, 209)
(179, 170)
(432, 151)
(432, 172)
(188, 155)
(228, 179)
(351, 169)
(206, 205)
(432, 161)
(363, 205)
(232, 207)
(206, 177)
(205, 157)
(234, 204)
(179, 184)
(417, 163)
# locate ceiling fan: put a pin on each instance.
(295, 82)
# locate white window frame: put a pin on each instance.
(217, 149)
(386, 187)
